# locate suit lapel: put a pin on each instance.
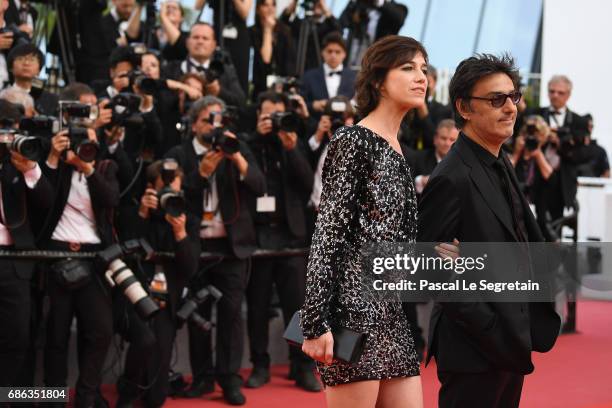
(484, 186)
(344, 79)
(321, 80)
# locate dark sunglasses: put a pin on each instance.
(499, 100)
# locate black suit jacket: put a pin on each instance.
(20, 203)
(392, 17)
(314, 87)
(234, 194)
(425, 162)
(460, 202)
(103, 190)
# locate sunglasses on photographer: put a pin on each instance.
(498, 100)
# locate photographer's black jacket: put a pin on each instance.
(20, 203)
(103, 190)
(234, 194)
(392, 17)
(296, 178)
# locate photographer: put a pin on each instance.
(147, 361)
(369, 21)
(214, 66)
(331, 79)
(222, 178)
(599, 165)
(280, 223)
(273, 47)
(25, 62)
(21, 99)
(10, 36)
(169, 38)
(323, 20)
(78, 220)
(24, 191)
(235, 33)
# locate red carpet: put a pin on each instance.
(577, 373)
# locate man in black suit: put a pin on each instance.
(78, 220)
(426, 160)
(201, 46)
(483, 349)
(436, 110)
(23, 191)
(25, 61)
(280, 223)
(329, 80)
(219, 187)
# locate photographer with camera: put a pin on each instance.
(24, 191)
(369, 21)
(320, 16)
(25, 62)
(86, 191)
(11, 35)
(211, 63)
(280, 223)
(273, 47)
(222, 178)
(166, 228)
(331, 79)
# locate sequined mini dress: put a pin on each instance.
(368, 196)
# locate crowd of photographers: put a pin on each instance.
(163, 145)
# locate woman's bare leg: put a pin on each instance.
(360, 394)
(405, 392)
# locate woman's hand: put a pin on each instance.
(446, 250)
(320, 349)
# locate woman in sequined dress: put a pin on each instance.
(368, 196)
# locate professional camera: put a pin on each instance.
(308, 6)
(126, 110)
(531, 137)
(170, 200)
(44, 126)
(78, 115)
(81, 145)
(286, 121)
(28, 146)
(118, 274)
(148, 86)
(188, 311)
(336, 109)
(217, 137)
(19, 37)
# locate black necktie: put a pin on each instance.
(332, 73)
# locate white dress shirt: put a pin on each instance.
(315, 196)
(31, 178)
(193, 65)
(214, 228)
(78, 222)
(332, 82)
(556, 121)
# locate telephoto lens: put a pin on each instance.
(120, 275)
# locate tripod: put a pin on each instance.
(307, 28)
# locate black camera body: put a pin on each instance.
(285, 121)
(531, 138)
(336, 110)
(126, 110)
(188, 310)
(78, 115)
(86, 149)
(28, 146)
(170, 200)
(148, 86)
(19, 37)
(43, 126)
(220, 141)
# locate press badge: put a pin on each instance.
(230, 32)
(266, 204)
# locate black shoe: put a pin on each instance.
(259, 376)
(292, 371)
(234, 396)
(306, 380)
(199, 388)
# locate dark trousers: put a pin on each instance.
(14, 323)
(147, 361)
(492, 389)
(230, 276)
(288, 274)
(91, 305)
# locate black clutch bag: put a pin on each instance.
(72, 274)
(348, 344)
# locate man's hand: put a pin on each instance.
(148, 202)
(73, 159)
(104, 115)
(178, 226)
(213, 88)
(288, 139)
(320, 349)
(264, 125)
(26, 28)
(302, 109)
(324, 128)
(59, 143)
(209, 163)
(319, 105)
(6, 40)
(237, 158)
(21, 163)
